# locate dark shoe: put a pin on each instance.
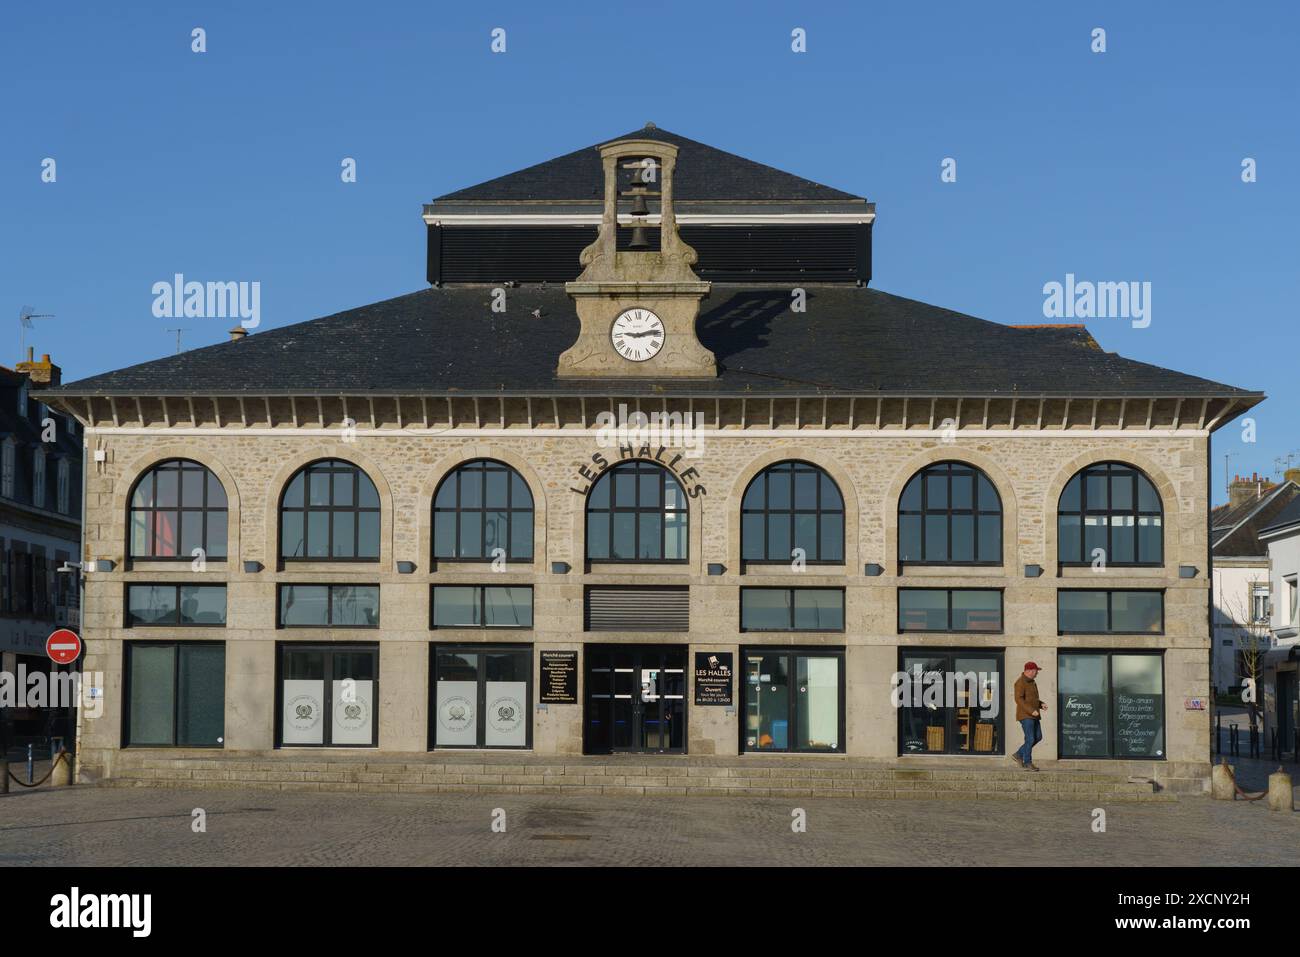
(1018, 759)
(1030, 767)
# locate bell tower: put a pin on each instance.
(638, 304)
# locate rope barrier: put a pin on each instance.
(62, 756)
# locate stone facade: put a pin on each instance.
(1029, 467)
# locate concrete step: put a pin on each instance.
(669, 776)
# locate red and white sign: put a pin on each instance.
(63, 646)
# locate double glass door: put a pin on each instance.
(636, 699)
(794, 700)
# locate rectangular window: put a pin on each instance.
(329, 606)
(62, 487)
(202, 605)
(329, 696)
(950, 701)
(482, 606)
(1260, 612)
(794, 700)
(949, 609)
(626, 608)
(481, 696)
(1098, 612)
(1289, 584)
(792, 609)
(1111, 704)
(175, 694)
(38, 478)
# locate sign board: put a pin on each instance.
(1194, 704)
(1085, 725)
(1139, 725)
(559, 682)
(713, 678)
(63, 646)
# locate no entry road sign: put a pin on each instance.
(63, 646)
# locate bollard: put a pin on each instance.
(31, 765)
(1223, 786)
(61, 775)
(1279, 791)
(4, 776)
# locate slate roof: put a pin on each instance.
(1288, 516)
(703, 173)
(851, 340)
(1236, 528)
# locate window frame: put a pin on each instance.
(480, 733)
(127, 621)
(482, 466)
(945, 467)
(1107, 468)
(792, 589)
(1110, 610)
(950, 654)
(793, 466)
(329, 603)
(792, 653)
(481, 595)
(950, 630)
(180, 465)
(1109, 654)
(128, 649)
(306, 509)
(328, 650)
(637, 467)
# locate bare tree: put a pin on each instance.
(1253, 638)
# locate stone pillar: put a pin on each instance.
(61, 775)
(1223, 787)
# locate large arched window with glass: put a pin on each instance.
(1113, 507)
(330, 512)
(482, 506)
(178, 506)
(792, 505)
(950, 514)
(636, 512)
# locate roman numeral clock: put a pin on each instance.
(637, 305)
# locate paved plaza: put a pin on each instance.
(119, 826)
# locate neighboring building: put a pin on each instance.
(1241, 581)
(1279, 695)
(40, 529)
(882, 486)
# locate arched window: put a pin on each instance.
(792, 505)
(176, 507)
(1113, 507)
(950, 514)
(330, 511)
(479, 507)
(636, 512)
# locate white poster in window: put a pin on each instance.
(506, 715)
(457, 721)
(353, 712)
(303, 718)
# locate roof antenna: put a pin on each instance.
(25, 317)
(178, 332)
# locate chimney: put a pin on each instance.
(1292, 475)
(42, 375)
(1242, 489)
(238, 333)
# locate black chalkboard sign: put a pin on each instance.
(1139, 725)
(559, 681)
(1085, 726)
(713, 678)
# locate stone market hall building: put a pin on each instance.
(410, 528)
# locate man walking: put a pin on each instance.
(1028, 712)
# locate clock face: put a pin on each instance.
(637, 334)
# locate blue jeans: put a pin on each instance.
(1033, 729)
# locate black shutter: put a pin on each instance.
(625, 608)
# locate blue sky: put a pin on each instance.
(225, 165)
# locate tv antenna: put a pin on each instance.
(178, 339)
(25, 317)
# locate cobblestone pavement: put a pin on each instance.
(109, 827)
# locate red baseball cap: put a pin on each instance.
(1031, 666)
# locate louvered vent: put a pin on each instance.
(621, 608)
(727, 253)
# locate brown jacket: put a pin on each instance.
(1027, 700)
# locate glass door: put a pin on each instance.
(794, 701)
(950, 702)
(636, 699)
